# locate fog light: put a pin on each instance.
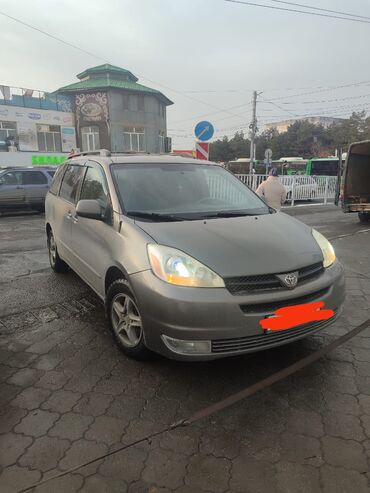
(181, 346)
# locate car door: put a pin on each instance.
(36, 185)
(65, 210)
(90, 237)
(11, 189)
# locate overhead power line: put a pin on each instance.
(360, 96)
(215, 112)
(342, 110)
(76, 47)
(328, 89)
(278, 106)
(297, 11)
(182, 93)
(321, 9)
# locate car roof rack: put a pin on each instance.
(99, 152)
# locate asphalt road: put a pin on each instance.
(67, 394)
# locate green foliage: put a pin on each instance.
(229, 149)
(302, 139)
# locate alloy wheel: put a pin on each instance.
(126, 320)
(52, 250)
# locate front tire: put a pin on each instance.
(125, 320)
(364, 217)
(56, 263)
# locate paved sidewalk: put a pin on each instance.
(68, 395)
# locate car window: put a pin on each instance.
(34, 178)
(11, 178)
(70, 183)
(51, 172)
(184, 189)
(57, 179)
(94, 185)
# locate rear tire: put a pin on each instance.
(364, 217)
(56, 263)
(125, 320)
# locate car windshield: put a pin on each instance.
(183, 191)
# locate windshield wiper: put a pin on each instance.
(231, 214)
(155, 216)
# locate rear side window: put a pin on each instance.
(51, 173)
(11, 178)
(34, 178)
(70, 183)
(57, 179)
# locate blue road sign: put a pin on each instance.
(204, 131)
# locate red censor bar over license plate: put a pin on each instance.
(292, 316)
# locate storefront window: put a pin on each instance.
(7, 130)
(49, 138)
(90, 138)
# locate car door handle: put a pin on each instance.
(69, 215)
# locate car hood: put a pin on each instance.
(238, 246)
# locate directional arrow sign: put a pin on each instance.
(204, 131)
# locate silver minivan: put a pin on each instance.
(189, 262)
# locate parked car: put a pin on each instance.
(305, 187)
(24, 187)
(187, 259)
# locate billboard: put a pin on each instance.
(68, 139)
(27, 118)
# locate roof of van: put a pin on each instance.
(139, 159)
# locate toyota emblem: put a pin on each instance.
(290, 280)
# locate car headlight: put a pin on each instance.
(176, 267)
(326, 248)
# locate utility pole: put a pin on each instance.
(253, 129)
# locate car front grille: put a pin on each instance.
(264, 341)
(271, 307)
(247, 284)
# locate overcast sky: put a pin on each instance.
(205, 55)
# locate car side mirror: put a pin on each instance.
(91, 209)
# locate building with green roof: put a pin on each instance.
(113, 111)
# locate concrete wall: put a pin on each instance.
(149, 118)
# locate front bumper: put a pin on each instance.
(356, 207)
(230, 322)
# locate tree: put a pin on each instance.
(240, 146)
(221, 150)
(302, 139)
(355, 128)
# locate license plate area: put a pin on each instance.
(293, 316)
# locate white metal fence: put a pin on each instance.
(299, 187)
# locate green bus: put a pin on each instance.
(327, 166)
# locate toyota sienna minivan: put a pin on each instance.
(189, 262)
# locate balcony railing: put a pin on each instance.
(30, 98)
